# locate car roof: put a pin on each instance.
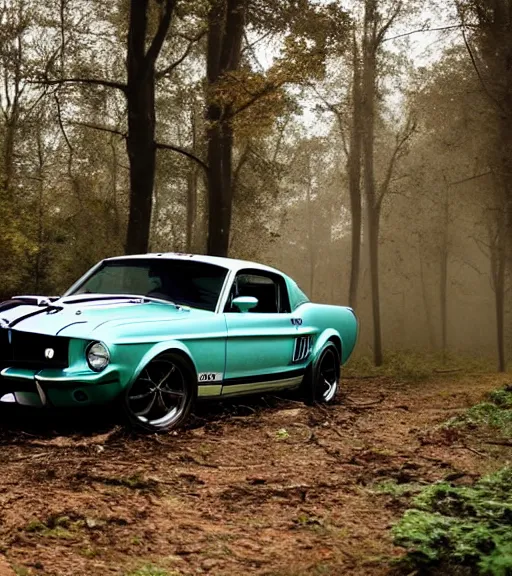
(229, 263)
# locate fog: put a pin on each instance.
(375, 125)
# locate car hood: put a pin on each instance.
(91, 319)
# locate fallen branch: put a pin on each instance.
(464, 447)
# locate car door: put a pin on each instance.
(260, 343)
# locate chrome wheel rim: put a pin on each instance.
(328, 376)
(158, 397)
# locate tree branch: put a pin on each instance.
(99, 128)
(250, 48)
(158, 145)
(61, 124)
(339, 118)
(382, 32)
(476, 176)
(257, 96)
(400, 143)
(420, 30)
(190, 155)
(161, 73)
(480, 78)
(161, 33)
(91, 81)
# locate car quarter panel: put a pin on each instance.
(324, 322)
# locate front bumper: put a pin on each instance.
(58, 388)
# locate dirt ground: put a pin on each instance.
(264, 487)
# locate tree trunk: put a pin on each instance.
(443, 295)
(311, 239)
(373, 241)
(218, 237)
(443, 275)
(192, 179)
(10, 129)
(226, 20)
(500, 317)
(140, 143)
(426, 304)
(370, 46)
(191, 207)
(114, 175)
(40, 215)
(354, 176)
(498, 274)
(154, 241)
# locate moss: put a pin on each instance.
(495, 413)
(463, 525)
(397, 490)
(502, 397)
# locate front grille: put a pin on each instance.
(24, 349)
(302, 348)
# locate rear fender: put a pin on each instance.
(324, 337)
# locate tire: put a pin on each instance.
(163, 395)
(321, 381)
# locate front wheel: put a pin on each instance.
(321, 381)
(163, 395)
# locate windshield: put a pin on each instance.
(185, 282)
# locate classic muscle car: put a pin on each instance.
(156, 332)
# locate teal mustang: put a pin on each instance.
(157, 332)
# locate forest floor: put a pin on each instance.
(264, 487)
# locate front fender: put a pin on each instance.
(160, 348)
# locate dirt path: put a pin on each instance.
(270, 488)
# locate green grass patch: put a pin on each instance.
(495, 412)
(469, 526)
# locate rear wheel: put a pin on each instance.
(163, 395)
(321, 381)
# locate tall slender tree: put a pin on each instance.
(226, 21)
(374, 31)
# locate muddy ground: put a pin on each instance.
(265, 487)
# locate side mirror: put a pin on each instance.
(245, 303)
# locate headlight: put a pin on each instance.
(98, 356)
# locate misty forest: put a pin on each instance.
(364, 147)
(361, 147)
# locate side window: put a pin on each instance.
(269, 289)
